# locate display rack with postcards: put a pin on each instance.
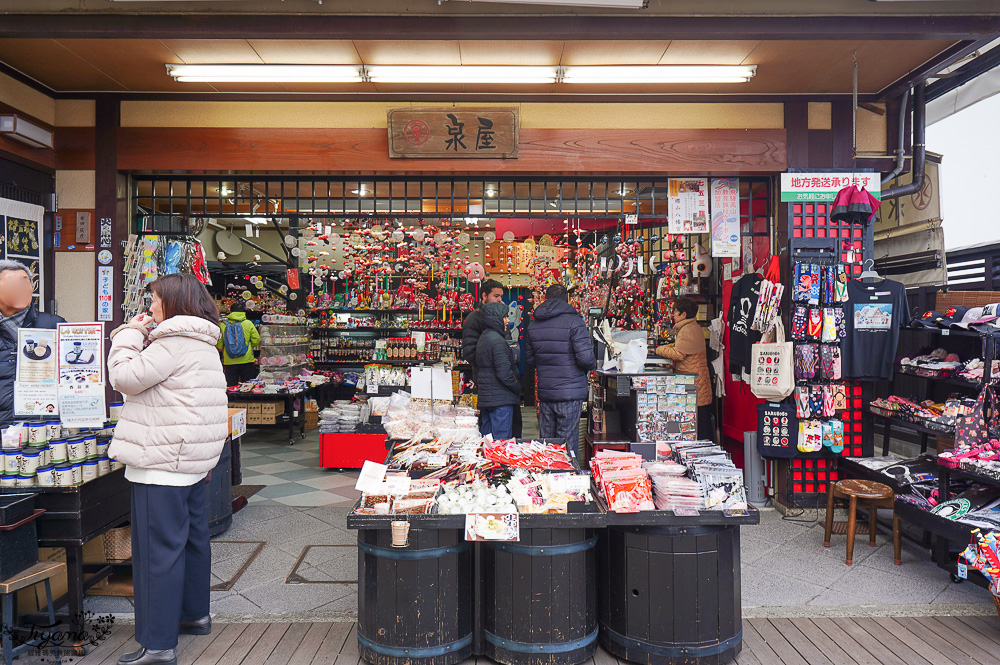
(644, 406)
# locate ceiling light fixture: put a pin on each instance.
(360, 191)
(660, 74)
(460, 74)
(17, 128)
(266, 73)
(491, 192)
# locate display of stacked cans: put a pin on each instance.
(50, 455)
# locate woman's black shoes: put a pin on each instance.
(146, 657)
(202, 626)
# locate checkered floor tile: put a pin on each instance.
(292, 474)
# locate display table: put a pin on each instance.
(75, 515)
(668, 589)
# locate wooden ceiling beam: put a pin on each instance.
(593, 27)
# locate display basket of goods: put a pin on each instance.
(18, 535)
(983, 554)
(884, 408)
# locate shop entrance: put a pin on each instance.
(340, 274)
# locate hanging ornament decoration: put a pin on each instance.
(546, 241)
(246, 295)
(476, 272)
(295, 251)
(489, 236)
(398, 236)
(440, 237)
(309, 233)
(418, 234)
(463, 238)
(291, 241)
(508, 236)
(355, 239)
(529, 243)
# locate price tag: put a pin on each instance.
(577, 482)
(371, 476)
(963, 571)
(945, 332)
(398, 483)
(373, 389)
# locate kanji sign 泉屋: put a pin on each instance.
(451, 132)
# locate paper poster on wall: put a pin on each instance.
(36, 374)
(82, 374)
(688, 205)
(726, 217)
(22, 239)
(105, 292)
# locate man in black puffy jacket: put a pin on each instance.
(499, 387)
(559, 347)
(489, 291)
(16, 311)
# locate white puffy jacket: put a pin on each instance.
(175, 416)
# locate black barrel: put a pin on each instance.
(220, 490)
(671, 595)
(415, 603)
(539, 599)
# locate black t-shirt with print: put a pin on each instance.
(742, 308)
(874, 313)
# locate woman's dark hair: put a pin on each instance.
(184, 295)
(238, 306)
(687, 307)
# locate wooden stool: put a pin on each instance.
(877, 496)
(40, 572)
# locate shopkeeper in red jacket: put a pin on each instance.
(690, 356)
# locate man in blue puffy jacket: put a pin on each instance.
(559, 347)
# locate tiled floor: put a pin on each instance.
(292, 473)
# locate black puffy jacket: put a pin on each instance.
(472, 329)
(560, 349)
(498, 382)
(8, 359)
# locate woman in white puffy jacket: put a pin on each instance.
(169, 436)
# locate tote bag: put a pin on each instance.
(771, 373)
(981, 424)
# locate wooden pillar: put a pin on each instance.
(111, 200)
(797, 133)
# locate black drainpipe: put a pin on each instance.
(919, 147)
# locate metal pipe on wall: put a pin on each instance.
(919, 146)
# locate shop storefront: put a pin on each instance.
(347, 240)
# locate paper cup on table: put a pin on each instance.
(400, 533)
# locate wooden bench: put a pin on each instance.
(40, 572)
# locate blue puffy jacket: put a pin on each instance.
(559, 347)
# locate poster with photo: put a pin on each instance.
(36, 374)
(22, 239)
(726, 217)
(82, 374)
(688, 205)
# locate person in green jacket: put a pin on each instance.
(242, 367)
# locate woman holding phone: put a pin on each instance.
(169, 436)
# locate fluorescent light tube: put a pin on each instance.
(460, 74)
(17, 128)
(613, 4)
(660, 74)
(266, 73)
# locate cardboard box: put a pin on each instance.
(268, 419)
(32, 598)
(255, 419)
(253, 408)
(272, 408)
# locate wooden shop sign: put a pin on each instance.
(453, 133)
